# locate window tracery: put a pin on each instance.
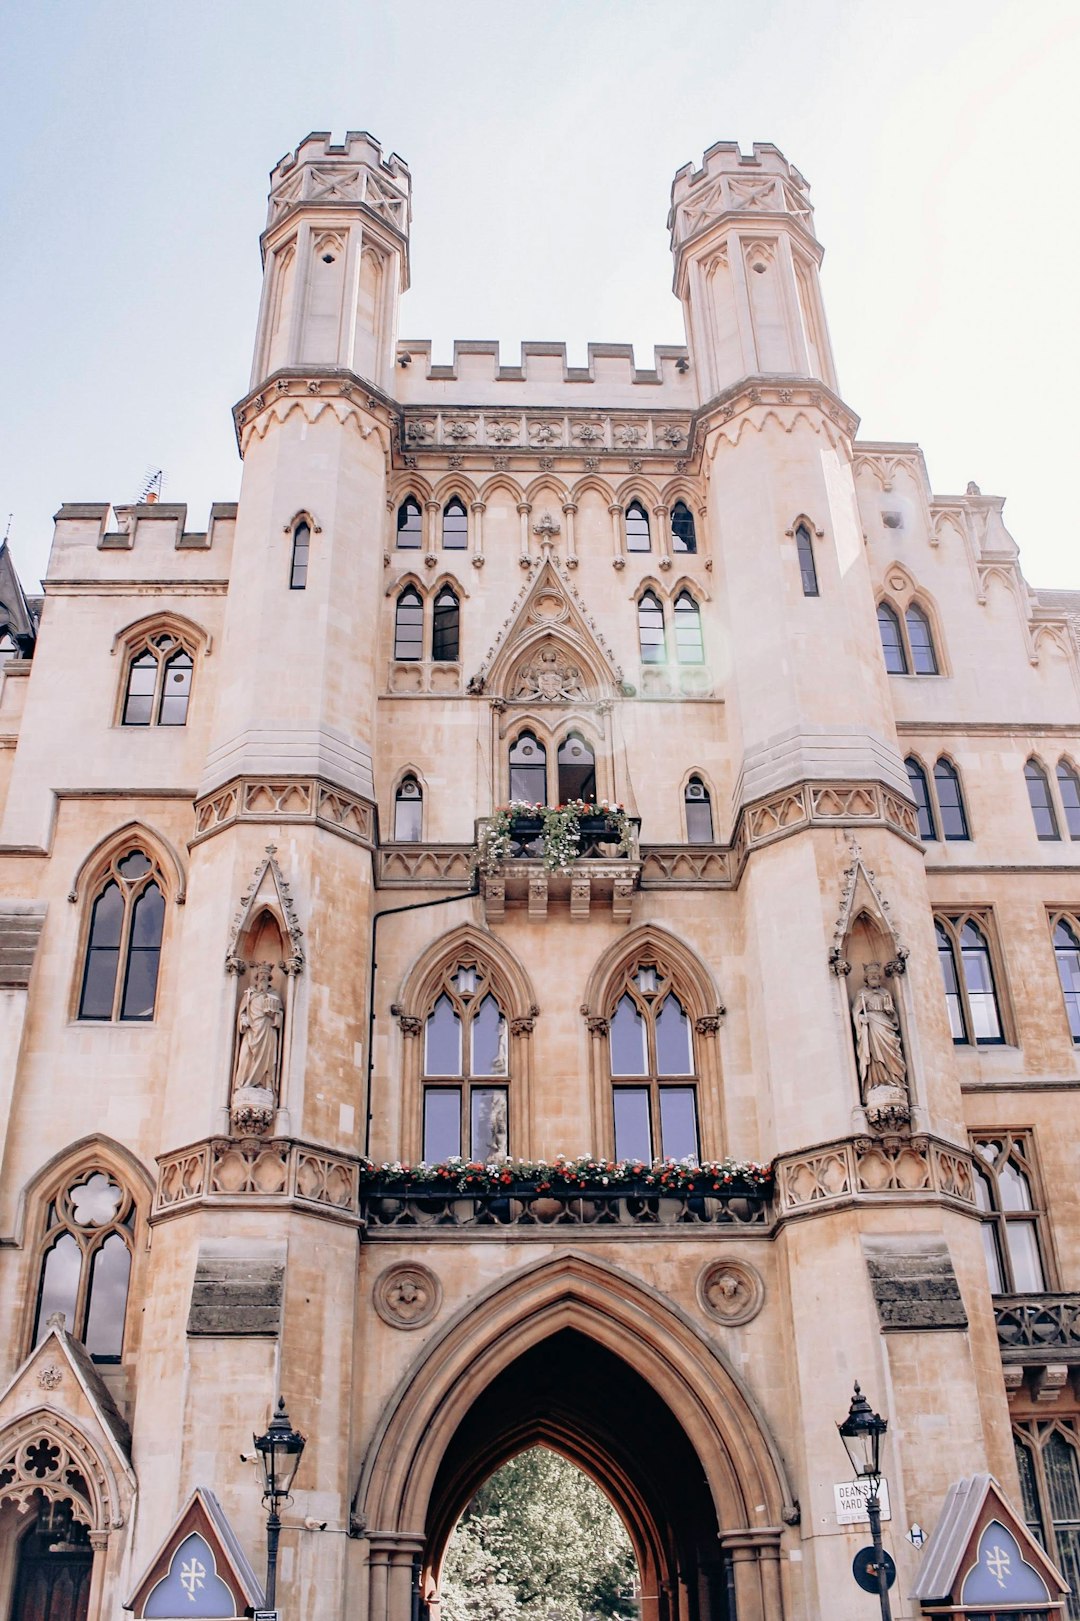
(907, 640)
(967, 971)
(123, 942)
(465, 1069)
(410, 525)
(158, 675)
(84, 1261)
(653, 1069)
(1006, 1192)
(1048, 1463)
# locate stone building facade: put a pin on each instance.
(265, 937)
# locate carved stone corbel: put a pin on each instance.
(595, 1023)
(409, 1024)
(707, 1024)
(523, 1026)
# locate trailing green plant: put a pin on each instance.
(560, 832)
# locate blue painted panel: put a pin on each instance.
(191, 1585)
(1000, 1574)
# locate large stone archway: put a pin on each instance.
(576, 1355)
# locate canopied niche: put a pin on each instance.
(265, 955)
(868, 960)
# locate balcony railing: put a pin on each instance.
(396, 1204)
(1038, 1328)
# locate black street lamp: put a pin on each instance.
(279, 1452)
(861, 1433)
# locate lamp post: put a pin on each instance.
(279, 1453)
(861, 1433)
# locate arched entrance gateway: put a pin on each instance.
(576, 1355)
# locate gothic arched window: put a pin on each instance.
(653, 1071)
(528, 770)
(807, 565)
(465, 1079)
(123, 945)
(923, 657)
(920, 793)
(689, 648)
(892, 641)
(85, 1262)
(637, 528)
(301, 547)
(455, 525)
(1005, 1194)
(410, 524)
(577, 769)
(1042, 805)
(683, 533)
(1069, 788)
(1067, 952)
(651, 629)
(408, 811)
(968, 975)
(699, 822)
(950, 800)
(446, 627)
(409, 625)
(158, 687)
(1047, 1462)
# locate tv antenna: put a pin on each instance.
(150, 488)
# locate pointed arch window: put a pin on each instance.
(807, 564)
(409, 625)
(638, 538)
(923, 657)
(577, 769)
(920, 792)
(1006, 1194)
(967, 972)
(466, 1070)
(410, 525)
(408, 812)
(158, 687)
(651, 629)
(892, 642)
(123, 946)
(1069, 789)
(699, 820)
(683, 533)
(653, 1070)
(689, 648)
(301, 547)
(446, 627)
(1047, 1460)
(455, 525)
(1067, 953)
(1042, 805)
(85, 1262)
(528, 770)
(950, 798)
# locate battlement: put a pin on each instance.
(731, 182)
(326, 173)
(155, 531)
(544, 370)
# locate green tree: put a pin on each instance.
(538, 1538)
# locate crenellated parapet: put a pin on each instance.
(730, 182)
(331, 175)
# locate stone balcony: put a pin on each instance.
(398, 1209)
(601, 873)
(1039, 1338)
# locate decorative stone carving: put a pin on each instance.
(524, 1025)
(731, 1292)
(258, 1054)
(707, 1024)
(550, 677)
(268, 884)
(407, 1296)
(51, 1377)
(879, 1049)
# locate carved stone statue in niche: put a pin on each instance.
(879, 1050)
(258, 1053)
(549, 677)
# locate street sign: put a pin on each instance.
(916, 1536)
(864, 1568)
(851, 1498)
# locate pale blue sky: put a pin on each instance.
(939, 140)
